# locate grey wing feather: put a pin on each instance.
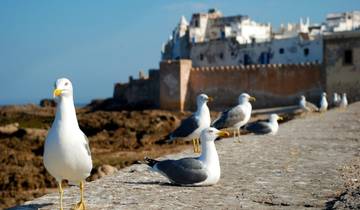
(311, 106)
(258, 128)
(229, 118)
(183, 171)
(186, 127)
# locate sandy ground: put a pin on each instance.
(305, 166)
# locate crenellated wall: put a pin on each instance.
(272, 85)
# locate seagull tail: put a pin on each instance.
(150, 162)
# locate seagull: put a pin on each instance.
(191, 127)
(323, 103)
(336, 100)
(265, 127)
(307, 106)
(343, 102)
(200, 171)
(66, 151)
(237, 116)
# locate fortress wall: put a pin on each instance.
(343, 74)
(139, 93)
(272, 85)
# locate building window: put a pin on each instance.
(348, 57)
(196, 23)
(201, 57)
(306, 51)
(221, 55)
(281, 50)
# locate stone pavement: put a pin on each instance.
(296, 169)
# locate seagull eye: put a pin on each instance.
(66, 83)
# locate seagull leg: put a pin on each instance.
(198, 145)
(194, 145)
(61, 192)
(237, 140)
(81, 204)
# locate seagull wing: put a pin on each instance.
(229, 118)
(186, 127)
(260, 127)
(183, 171)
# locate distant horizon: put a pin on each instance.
(99, 44)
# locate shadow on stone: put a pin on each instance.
(30, 207)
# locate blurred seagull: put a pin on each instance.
(237, 116)
(204, 170)
(323, 103)
(307, 106)
(336, 100)
(343, 102)
(191, 127)
(66, 151)
(265, 127)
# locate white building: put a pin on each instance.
(210, 39)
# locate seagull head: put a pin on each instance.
(275, 118)
(344, 95)
(244, 97)
(63, 88)
(202, 98)
(324, 94)
(210, 134)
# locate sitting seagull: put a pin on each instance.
(191, 127)
(343, 102)
(66, 151)
(265, 127)
(336, 100)
(204, 170)
(237, 116)
(307, 106)
(323, 103)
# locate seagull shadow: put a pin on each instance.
(30, 206)
(160, 183)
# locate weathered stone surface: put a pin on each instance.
(297, 169)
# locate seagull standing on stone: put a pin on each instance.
(237, 116)
(323, 103)
(66, 151)
(265, 127)
(336, 100)
(191, 127)
(307, 106)
(343, 102)
(204, 170)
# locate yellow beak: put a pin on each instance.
(280, 118)
(223, 134)
(210, 99)
(57, 92)
(252, 98)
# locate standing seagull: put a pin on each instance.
(66, 152)
(323, 103)
(336, 100)
(343, 102)
(307, 106)
(191, 127)
(265, 127)
(204, 170)
(237, 116)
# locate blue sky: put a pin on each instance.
(99, 43)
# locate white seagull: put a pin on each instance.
(191, 127)
(237, 116)
(204, 170)
(336, 100)
(307, 106)
(343, 102)
(265, 127)
(66, 152)
(323, 103)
